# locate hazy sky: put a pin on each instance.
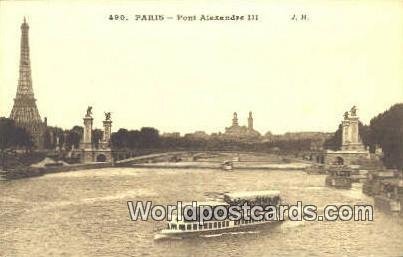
(187, 76)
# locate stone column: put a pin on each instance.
(354, 130)
(57, 148)
(345, 133)
(250, 121)
(87, 137)
(107, 133)
(235, 120)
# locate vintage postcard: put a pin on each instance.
(201, 128)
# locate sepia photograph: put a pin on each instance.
(201, 128)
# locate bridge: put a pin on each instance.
(211, 159)
(177, 156)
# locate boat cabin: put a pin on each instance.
(193, 225)
(262, 198)
(340, 172)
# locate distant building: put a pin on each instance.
(197, 135)
(317, 138)
(25, 112)
(171, 135)
(237, 132)
(306, 135)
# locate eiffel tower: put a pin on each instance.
(25, 112)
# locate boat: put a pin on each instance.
(317, 169)
(339, 177)
(237, 158)
(179, 228)
(359, 176)
(390, 198)
(227, 165)
(372, 186)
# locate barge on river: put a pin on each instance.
(339, 177)
(390, 198)
(227, 165)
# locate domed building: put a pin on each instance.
(237, 132)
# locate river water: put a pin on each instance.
(84, 213)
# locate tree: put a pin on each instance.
(12, 137)
(134, 139)
(386, 130)
(74, 136)
(120, 138)
(48, 140)
(97, 135)
(149, 137)
(59, 133)
(145, 138)
(53, 137)
(7, 127)
(334, 142)
(22, 139)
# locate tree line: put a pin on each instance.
(149, 138)
(12, 137)
(69, 138)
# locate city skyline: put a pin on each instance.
(174, 86)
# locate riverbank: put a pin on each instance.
(27, 172)
(217, 165)
(168, 160)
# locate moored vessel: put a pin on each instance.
(316, 169)
(227, 165)
(372, 186)
(339, 177)
(391, 196)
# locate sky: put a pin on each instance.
(187, 76)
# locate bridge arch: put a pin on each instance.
(339, 160)
(101, 158)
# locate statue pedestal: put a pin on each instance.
(106, 139)
(96, 155)
(353, 147)
(345, 157)
(87, 156)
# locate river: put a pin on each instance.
(84, 213)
